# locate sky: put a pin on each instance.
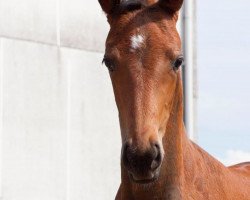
(224, 79)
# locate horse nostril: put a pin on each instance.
(125, 154)
(157, 159)
(130, 158)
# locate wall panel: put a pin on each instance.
(94, 137)
(83, 25)
(34, 20)
(34, 122)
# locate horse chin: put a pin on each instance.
(151, 177)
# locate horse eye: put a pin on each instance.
(109, 64)
(178, 62)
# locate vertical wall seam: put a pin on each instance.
(58, 25)
(1, 116)
(68, 127)
(68, 98)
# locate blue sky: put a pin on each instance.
(224, 78)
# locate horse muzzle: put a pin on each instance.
(143, 166)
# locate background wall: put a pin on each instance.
(59, 126)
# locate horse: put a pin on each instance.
(158, 161)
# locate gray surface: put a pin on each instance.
(83, 25)
(94, 139)
(29, 20)
(69, 23)
(1, 113)
(34, 122)
(59, 127)
(60, 133)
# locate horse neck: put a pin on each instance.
(185, 162)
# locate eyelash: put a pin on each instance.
(109, 64)
(178, 62)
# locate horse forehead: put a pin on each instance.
(138, 33)
(136, 38)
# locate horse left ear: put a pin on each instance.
(108, 6)
(171, 5)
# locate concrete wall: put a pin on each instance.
(59, 136)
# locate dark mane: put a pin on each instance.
(128, 6)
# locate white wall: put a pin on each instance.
(59, 134)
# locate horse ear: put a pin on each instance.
(108, 6)
(171, 5)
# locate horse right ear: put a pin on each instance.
(108, 6)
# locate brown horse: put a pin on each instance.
(158, 161)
